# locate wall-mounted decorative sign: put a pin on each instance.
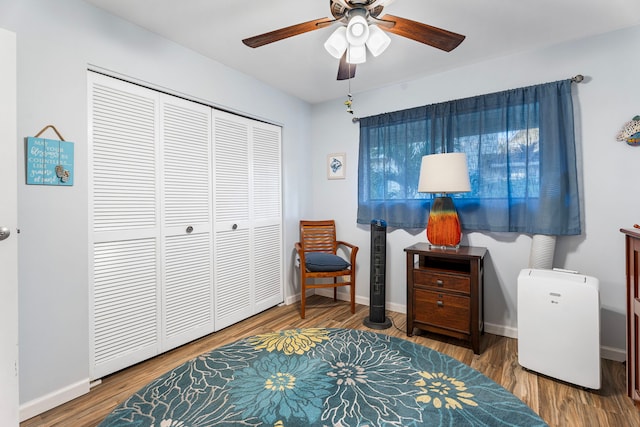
(336, 166)
(630, 133)
(49, 161)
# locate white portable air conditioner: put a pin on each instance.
(559, 325)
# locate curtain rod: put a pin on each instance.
(578, 78)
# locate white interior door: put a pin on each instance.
(8, 223)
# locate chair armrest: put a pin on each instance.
(354, 250)
(349, 245)
(300, 253)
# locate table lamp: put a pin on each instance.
(444, 174)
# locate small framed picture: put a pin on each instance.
(336, 165)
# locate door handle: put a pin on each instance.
(4, 232)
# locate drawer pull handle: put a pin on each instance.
(440, 304)
(439, 282)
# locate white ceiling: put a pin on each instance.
(300, 66)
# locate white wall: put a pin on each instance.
(57, 42)
(603, 103)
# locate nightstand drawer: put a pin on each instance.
(443, 310)
(450, 282)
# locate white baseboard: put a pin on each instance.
(612, 353)
(53, 399)
(396, 308)
(342, 296)
(609, 353)
(292, 299)
(503, 331)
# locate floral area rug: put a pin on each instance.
(323, 377)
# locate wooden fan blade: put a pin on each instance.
(283, 33)
(423, 33)
(346, 70)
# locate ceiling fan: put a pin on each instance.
(361, 22)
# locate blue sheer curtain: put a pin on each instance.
(520, 148)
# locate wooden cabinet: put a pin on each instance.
(445, 291)
(632, 245)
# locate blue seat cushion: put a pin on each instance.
(320, 261)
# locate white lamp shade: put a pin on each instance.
(378, 40)
(357, 31)
(337, 43)
(444, 173)
(356, 54)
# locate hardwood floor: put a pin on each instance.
(559, 404)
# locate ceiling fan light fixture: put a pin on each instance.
(357, 30)
(356, 54)
(358, 35)
(378, 40)
(337, 43)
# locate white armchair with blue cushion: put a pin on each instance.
(319, 260)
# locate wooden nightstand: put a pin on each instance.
(445, 291)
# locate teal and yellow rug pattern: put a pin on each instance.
(323, 377)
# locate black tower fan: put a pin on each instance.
(377, 274)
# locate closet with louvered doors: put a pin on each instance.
(185, 221)
(150, 213)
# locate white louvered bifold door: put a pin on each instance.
(125, 227)
(267, 216)
(231, 252)
(247, 218)
(187, 307)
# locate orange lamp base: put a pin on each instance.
(443, 227)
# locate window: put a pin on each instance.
(520, 151)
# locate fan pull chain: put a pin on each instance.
(349, 100)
